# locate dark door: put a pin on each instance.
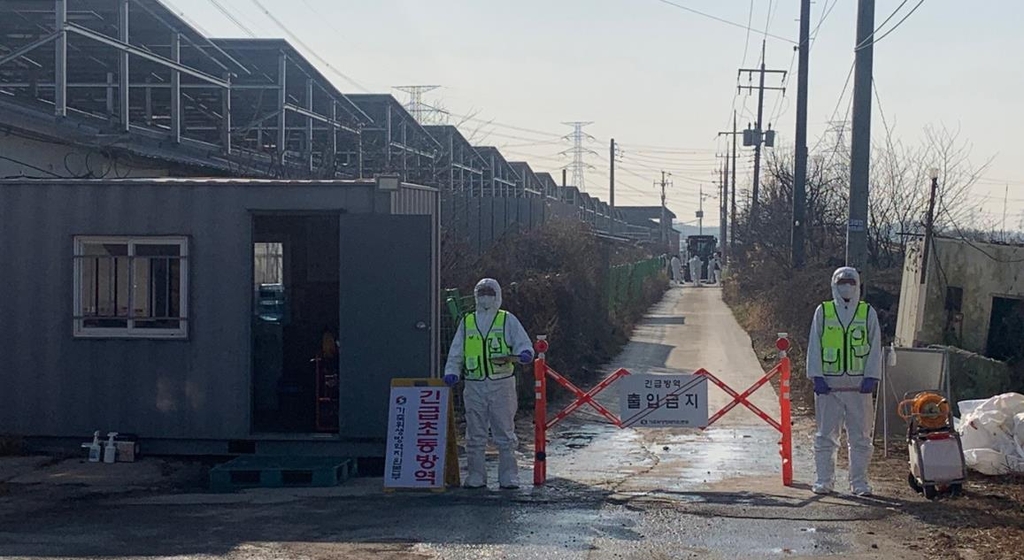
(385, 314)
(1006, 329)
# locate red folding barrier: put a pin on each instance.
(541, 372)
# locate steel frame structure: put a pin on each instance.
(529, 184)
(395, 143)
(500, 179)
(459, 167)
(130, 75)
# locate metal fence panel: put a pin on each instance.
(915, 369)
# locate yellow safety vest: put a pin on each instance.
(844, 350)
(479, 350)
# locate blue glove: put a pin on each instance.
(868, 385)
(821, 387)
(525, 357)
(451, 379)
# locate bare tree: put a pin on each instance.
(900, 191)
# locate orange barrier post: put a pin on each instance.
(786, 419)
(540, 412)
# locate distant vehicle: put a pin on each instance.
(704, 246)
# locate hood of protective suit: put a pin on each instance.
(853, 292)
(485, 313)
(493, 284)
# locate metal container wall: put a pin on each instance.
(197, 388)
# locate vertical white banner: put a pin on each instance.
(417, 437)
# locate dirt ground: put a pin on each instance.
(986, 522)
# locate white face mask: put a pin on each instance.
(487, 302)
(846, 291)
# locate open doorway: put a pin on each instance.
(1006, 329)
(296, 280)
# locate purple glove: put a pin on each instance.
(868, 385)
(525, 357)
(451, 379)
(821, 387)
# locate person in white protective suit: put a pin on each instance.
(715, 269)
(844, 360)
(695, 265)
(484, 352)
(677, 269)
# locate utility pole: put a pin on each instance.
(800, 159)
(726, 232)
(860, 140)
(723, 207)
(929, 224)
(756, 137)
(700, 212)
(611, 178)
(732, 234)
(664, 214)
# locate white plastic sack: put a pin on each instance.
(992, 433)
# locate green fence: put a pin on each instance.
(626, 282)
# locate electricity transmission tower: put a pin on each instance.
(423, 113)
(579, 152)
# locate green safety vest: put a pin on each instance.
(844, 349)
(478, 350)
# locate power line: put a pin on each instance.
(307, 48)
(838, 103)
(892, 15)
(746, 41)
(472, 118)
(866, 44)
(725, 21)
(824, 15)
(768, 23)
(964, 238)
(778, 109)
(231, 17)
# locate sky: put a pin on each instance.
(661, 80)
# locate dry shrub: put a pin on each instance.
(554, 279)
(769, 297)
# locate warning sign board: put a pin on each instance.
(663, 401)
(420, 446)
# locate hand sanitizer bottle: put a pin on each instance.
(95, 449)
(110, 452)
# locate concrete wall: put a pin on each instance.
(973, 376)
(983, 270)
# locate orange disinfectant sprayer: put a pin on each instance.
(936, 454)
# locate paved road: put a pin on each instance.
(613, 493)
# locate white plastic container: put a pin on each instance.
(110, 451)
(95, 448)
(937, 461)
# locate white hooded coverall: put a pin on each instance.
(677, 269)
(490, 403)
(844, 404)
(695, 265)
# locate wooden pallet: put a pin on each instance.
(259, 471)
